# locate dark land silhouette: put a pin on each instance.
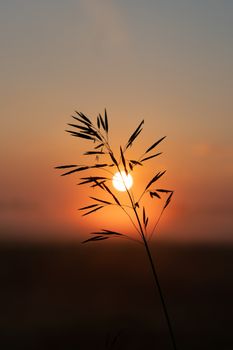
(101, 296)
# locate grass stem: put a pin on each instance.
(99, 134)
(156, 279)
(152, 264)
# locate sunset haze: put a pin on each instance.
(167, 62)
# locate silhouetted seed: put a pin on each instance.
(106, 120)
(91, 179)
(84, 128)
(75, 170)
(97, 238)
(134, 135)
(94, 133)
(99, 146)
(92, 211)
(110, 192)
(84, 182)
(100, 200)
(89, 206)
(100, 184)
(79, 134)
(107, 232)
(113, 158)
(98, 122)
(100, 165)
(102, 122)
(135, 162)
(144, 216)
(168, 200)
(65, 166)
(154, 155)
(81, 121)
(162, 190)
(123, 161)
(155, 144)
(93, 152)
(84, 117)
(155, 194)
(112, 232)
(155, 178)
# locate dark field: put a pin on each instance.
(83, 296)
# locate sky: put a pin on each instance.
(168, 62)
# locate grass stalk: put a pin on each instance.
(157, 283)
(155, 275)
(152, 265)
(99, 134)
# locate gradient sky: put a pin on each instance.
(167, 61)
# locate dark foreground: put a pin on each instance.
(102, 296)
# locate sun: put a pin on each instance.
(122, 182)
